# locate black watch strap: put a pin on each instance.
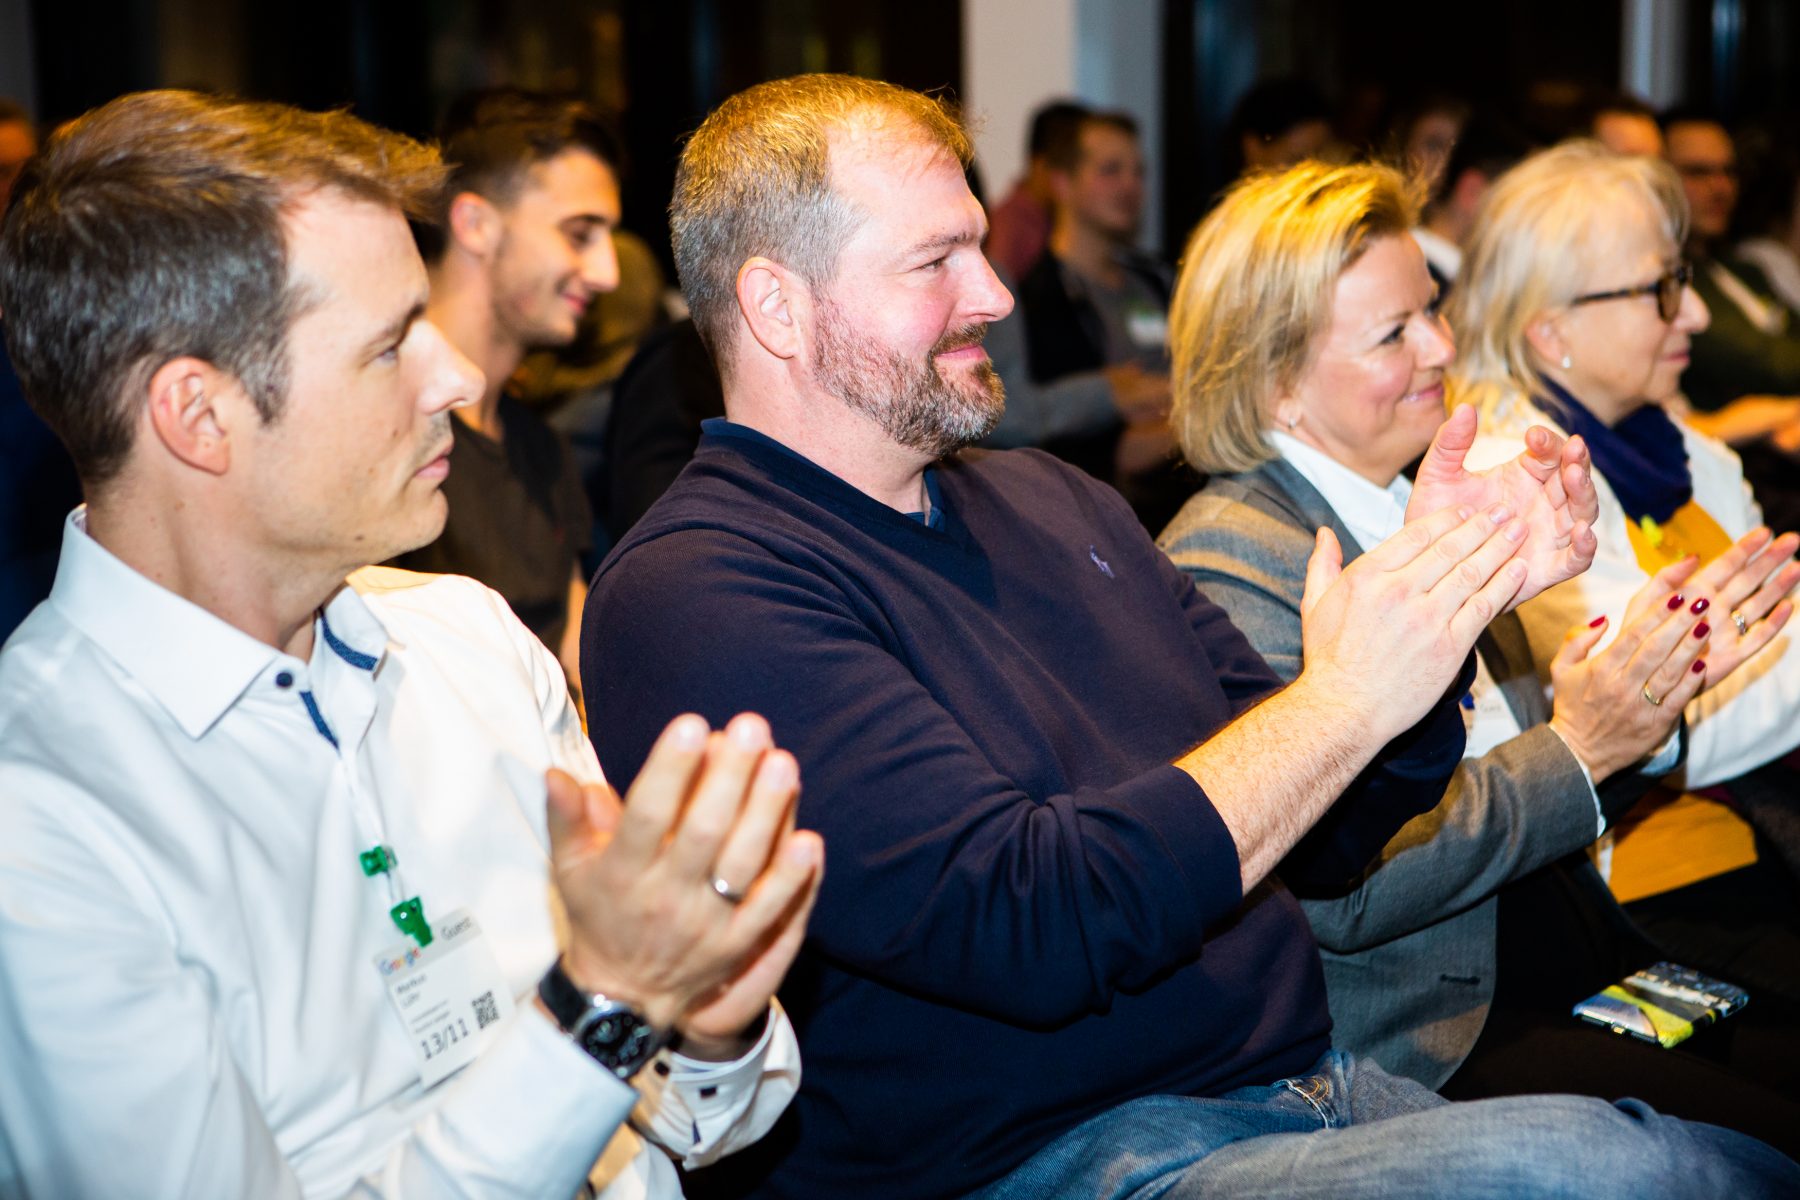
(612, 1032)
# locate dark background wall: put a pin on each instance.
(662, 64)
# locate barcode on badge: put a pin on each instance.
(486, 1011)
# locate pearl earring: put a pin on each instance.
(1567, 362)
(1291, 422)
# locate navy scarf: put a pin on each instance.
(1642, 458)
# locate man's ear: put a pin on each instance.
(475, 225)
(193, 408)
(776, 304)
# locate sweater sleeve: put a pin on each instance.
(1251, 571)
(944, 877)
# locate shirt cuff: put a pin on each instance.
(536, 1108)
(1667, 756)
(693, 1106)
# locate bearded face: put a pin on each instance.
(932, 407)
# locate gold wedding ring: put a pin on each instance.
(1654, 700)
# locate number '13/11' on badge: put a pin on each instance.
(450, 995)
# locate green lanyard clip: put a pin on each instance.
(409, 916)
(378, 861)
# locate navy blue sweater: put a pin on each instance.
(1029, 916)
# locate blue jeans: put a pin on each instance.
(1350, 1130)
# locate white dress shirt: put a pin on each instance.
(1373, 514)
(188, 999)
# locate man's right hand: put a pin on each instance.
(1387, 635)
(646, 925)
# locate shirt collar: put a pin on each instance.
(1371, 513)
(193, 663)
(723, 427)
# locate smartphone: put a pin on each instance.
(1663, 1004)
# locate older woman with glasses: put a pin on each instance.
(1573, 308)
(1309, 371)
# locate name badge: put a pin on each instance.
(1147, 328)
(450, 996)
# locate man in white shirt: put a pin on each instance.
(277, 872)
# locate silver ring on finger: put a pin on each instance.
(1651, 697)
(727, 893)
(1737, 618)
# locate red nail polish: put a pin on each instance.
(1699, 665)
(1700, 606)
(1702, 629)
(1597, 622)
(1676, 602)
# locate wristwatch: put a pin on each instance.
(613, 1033)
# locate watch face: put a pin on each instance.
(618, 1039)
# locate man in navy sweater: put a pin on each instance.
(1050, 959)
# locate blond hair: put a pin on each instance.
(1543, 233)
(1255, 293)
(755, 179)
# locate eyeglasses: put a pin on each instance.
(1667, 289)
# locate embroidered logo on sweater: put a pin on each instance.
(1105, 567)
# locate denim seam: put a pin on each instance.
(1310, 1090)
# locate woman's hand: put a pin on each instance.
(1550, 485)
(1749, 583)
(1617, 706)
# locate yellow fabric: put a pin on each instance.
(1670, 841)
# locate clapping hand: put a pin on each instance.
(1387, 635)
(1743, 594)
(689, 901)
(1550, 486)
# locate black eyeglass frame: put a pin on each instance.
(1667, 288)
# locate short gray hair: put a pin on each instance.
(755, 179)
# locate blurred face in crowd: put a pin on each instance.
(556, 252)
(17, 143)
(1428, 145)
(1293, 145)
(1622, 354)
(1629, 133)
(350, 471)
(1372, 393)
(1707, 161)
(898, 329)
(1105, 191)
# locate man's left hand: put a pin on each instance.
(1550, 486)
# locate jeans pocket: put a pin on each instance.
(1315, 1090)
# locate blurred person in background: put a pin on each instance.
(18, 142)
(1019, 226)
(523, 244)
(1426, 134)
(1624, 124)
(1095, 301)
(573, 387)
(1486, 148)
(1278, 123)
(1743, 386)
(38, 485)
